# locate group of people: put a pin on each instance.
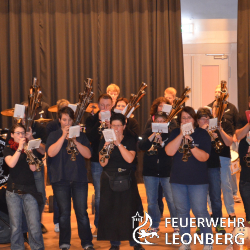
(185, 184)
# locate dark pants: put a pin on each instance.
(245, 195)
(63, 191)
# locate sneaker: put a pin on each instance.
(152, 230)
(95, 233)
(114, 247)
(208, 247)
(56, 228)
(139, 247)
(232, 217)
(176, 230)
(185, 246)
(89, 248)
(237, 199)
(220, 229)
(198, 231)
(44, 229)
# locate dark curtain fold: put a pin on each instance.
(62, 42)
(243, 54)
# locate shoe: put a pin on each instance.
(95, 233)
(89, 248)
(152, 230)
(176, 230)
(139, 247)
(56, 228)
(198, 231)
(220, 230)
(232, 217)
(64, 248)
(185, 246)
(44, 229)
(237, 199)
(208, 247)
(114, 247)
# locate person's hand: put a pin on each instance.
(158, 136)
(214, 135)
(21, 143)
(74, 140)
(29, 135)
(65, 131)
(33, 168)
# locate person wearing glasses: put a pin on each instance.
(117, 208)
(189, 179)
(21, 194)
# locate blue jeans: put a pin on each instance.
(96, 170)
(193, 197)
(234, 186)
(245, 195)
(40, 186)
(226, 184)
(63, 191)
(17, 203)
(215, 191)
(152, 184)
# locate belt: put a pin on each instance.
(18, 191)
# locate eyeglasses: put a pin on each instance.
(20, 133)
(116, 126)
(204, 119)
(186, 118)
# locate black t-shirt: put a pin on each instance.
(21, 173)
(192, 172)
(242, 121)
(231, 114)
(227, 127)
(245, 170)
(155, 165)
(38, 131)
(53, 126)
(116, 160)
(61, 167)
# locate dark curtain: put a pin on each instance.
(243, 54)
(63, 42)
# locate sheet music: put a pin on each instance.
(159, 127)
(19, 111)
(105, 116)
(213, 123)
(187, 128)
(167, 108)
(33, 144)
(74, 131)
(109, 135)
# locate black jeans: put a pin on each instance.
(245, 195)
(63, 191)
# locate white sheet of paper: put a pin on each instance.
(105, 116)
(118, 111)
(19, 111)
(213, 123)
(74, 131)
(159, 127)
(167, 108)
(109, 135)
(73, 107)
(32, 144)
(187, 128)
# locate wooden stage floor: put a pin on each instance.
(51, 238)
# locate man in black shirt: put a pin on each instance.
(92, 131)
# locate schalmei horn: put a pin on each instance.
(84, 100)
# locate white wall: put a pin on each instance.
(211, 36)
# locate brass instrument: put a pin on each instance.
(31, 158)
(216, 143)
(155, 145)
(102, 127)
(134, 101)
(185, 149)
(106, 151)
(220, 106)
(247, 159)
(34, 100)
(84, 100)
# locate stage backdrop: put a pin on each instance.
(243, 50)
(63, 42)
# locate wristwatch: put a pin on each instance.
(119, 145)
(19, 150)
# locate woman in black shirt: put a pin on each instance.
(117, 208)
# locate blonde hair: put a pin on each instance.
(62, 103)
(172, 91)
(113, 87)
